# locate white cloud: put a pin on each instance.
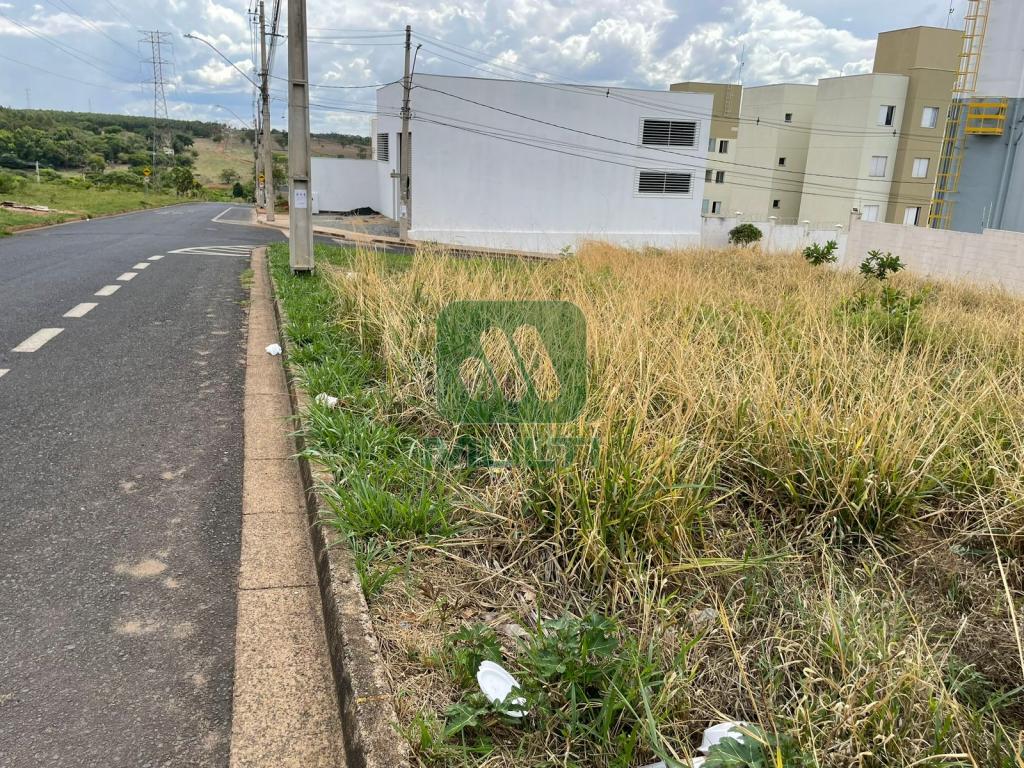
(640, 43)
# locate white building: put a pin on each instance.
(533, 166)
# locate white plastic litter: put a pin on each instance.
(327, 400)
(695, 762)
(716, 733)
(497, 684)
(273, 349)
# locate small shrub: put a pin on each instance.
(818, 254)
(744, 234)
(237, 190)
(9, 182)
(880, 265)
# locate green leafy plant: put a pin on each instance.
(880, 265)
(744, 234)
(818, 254)
(755, 748)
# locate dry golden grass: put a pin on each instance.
(828, 520)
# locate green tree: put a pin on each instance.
(744, 234)
(182, 179)
(238, 190)
(96, 163)
(229, 176)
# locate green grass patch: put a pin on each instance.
(73, 202)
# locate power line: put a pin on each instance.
(93, 26)
(529, 140)
(73, 52)
(607, 92)
(66, 77)
(677, 153)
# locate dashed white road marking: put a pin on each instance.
(37, 339)
(155, 258)
(108, 290)
(82, 309)
(3, 371)
(141, 265)
(127, 276)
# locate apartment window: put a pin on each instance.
(870, 213)
(920, 170)
(912, 216)
(782, 161)
(705, 206)
(663, 183)
(708, 175)
(382, 146)
(929, 117)
(878, 165)
(789, 117)
(723, 146)
(712, 144)
(887, 114)
(719, 177)
(669, 133)
(716, 207)
(776, 203)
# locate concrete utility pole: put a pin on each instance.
(300, 220)
(404, 209)
(267, 193)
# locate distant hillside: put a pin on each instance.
(74, 140)
(67, 141)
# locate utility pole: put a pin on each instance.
(300, 220)
(405, 156)
(267, 191)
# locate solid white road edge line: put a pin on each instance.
(37, 339)
(217, 217)
(126, 276)
(107, 290)
(141, 265)
(82, 309)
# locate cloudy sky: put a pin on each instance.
(82, 54)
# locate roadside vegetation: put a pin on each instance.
(801, 505)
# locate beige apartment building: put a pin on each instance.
(771, 158)
(815, 153)
(929, 57)
(853, 145)
(725, 122)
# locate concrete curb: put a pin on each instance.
(368, 719)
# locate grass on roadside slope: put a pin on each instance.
(71, 202)
(793, 518)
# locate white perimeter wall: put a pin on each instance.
(343, 184)
(993, 258)
(777, 238)
(527, 190)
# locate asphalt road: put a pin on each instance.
(120, 488)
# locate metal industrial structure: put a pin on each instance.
(963, 116)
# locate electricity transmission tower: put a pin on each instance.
(157, 40)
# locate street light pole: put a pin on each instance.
(267, 191)
(300, 219)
